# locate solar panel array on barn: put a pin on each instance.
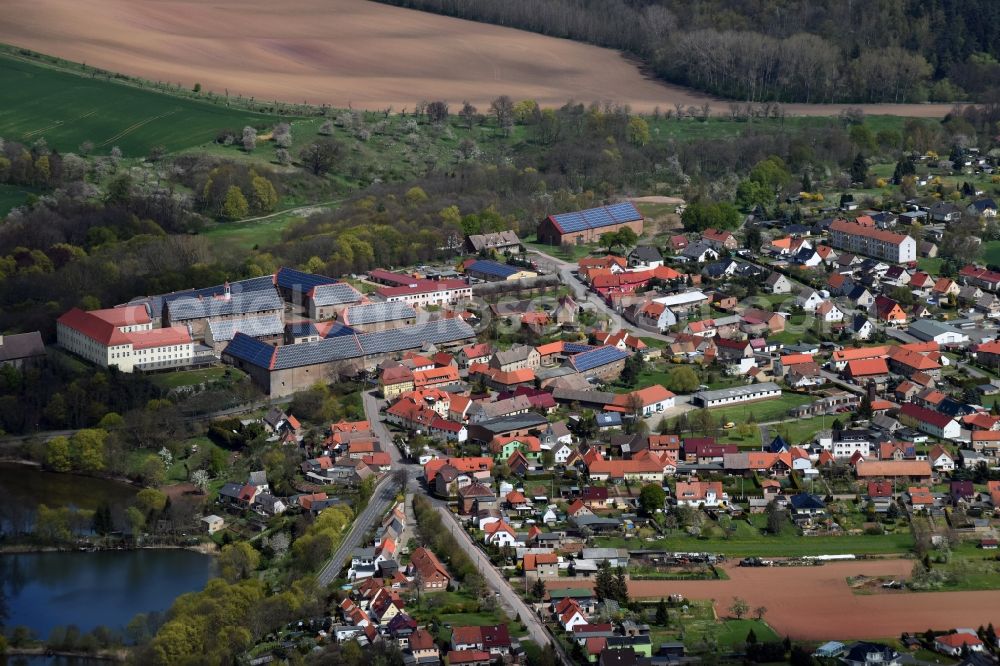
(596, 218)
(343, 347)
(595, 358)
(299, 281)
(338, 293)
(496, 269)
(374, 313)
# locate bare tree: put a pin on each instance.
(468, 114)
(502, 109)
(437, 112)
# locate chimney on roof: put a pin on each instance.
(228, 293)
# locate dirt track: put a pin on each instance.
(344, 52)
(815, 603)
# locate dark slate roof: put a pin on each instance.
(299, 281)
(806, 501)
(859, 652)
(646, 253)
(21, 345)
(516, 421)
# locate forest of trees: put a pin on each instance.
(789, 50)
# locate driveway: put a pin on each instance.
(495, 580)
(584, 296)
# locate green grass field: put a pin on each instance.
(991, 252)
(66, 109)
(170, 380)
(801, 430)
(748, 540)
(698, 622)
(765, 410)
(248, 234)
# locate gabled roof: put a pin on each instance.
(596, 218)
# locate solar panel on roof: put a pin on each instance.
(597, 357)
(300, 281)
(595, 218)
(373, 313)
(335, 294)
(250, 350)
(252, 326)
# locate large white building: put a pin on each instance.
(124, 337)
(422, 292)
(737, 394)
(873, 242)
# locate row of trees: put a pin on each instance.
(434, 535)
(795, 51)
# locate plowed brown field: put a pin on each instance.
(815, 603)
(344, 52)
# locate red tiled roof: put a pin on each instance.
(924, 415)
(867, 367)
(846, 227)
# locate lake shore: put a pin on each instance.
(204, 548)
(116, 655)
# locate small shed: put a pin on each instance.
(213, 523)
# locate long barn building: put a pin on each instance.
(286, 369)
(586, 226)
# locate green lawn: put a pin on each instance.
(991, 252)
(765, 410)
(67, 108)
(256, 233)
(698, 622)
(749, 541)
(170, 380)
(565, 252)
(799, 431)
(930, 266)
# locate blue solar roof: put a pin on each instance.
(595, 218)
(348, 345)
(337, 293)
(576, 347)
(338, 330)
(487, 267)
(250, 350)
(302, 329)
(239, 287)
(595, 358)
(300, 281)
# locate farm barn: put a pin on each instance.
(586, 226)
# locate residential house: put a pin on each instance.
(707, 494)
(930, 421)
(428, 571)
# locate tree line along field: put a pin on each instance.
(68, 109)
